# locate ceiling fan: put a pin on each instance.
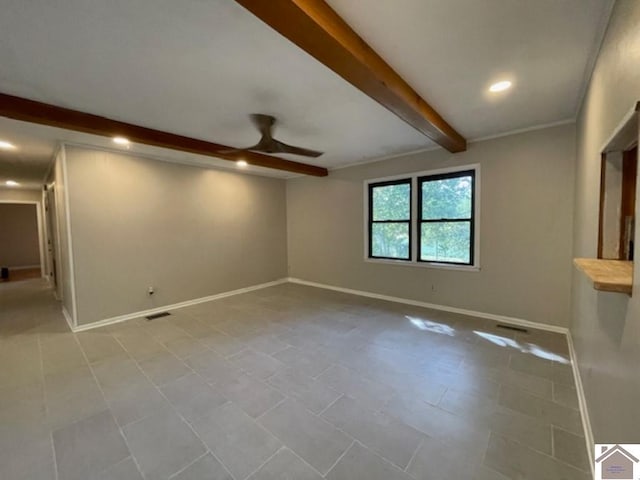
(268, 144)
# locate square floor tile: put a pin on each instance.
(309, 363)
(570, 448)
(250, 394)
(378, 431)
(88, 446)
(361, 463)
(162, 444)
(318, 442)
(257, 363)
(237, 440)
(164, 368)
(310, 392)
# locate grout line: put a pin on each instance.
(340, 457)
(315, 378)
(265, 462)
(331, 404)
(444, 392)
(414, 454)
(271, 408)
(486, 449)
(188, 465)
(307, 463)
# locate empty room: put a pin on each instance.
(319, 239)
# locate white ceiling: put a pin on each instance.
(199, 67)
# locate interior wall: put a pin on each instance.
(606, 326)
(59, 233)
(19, 242)
(19, 195)
(526, 207)
(188, 232)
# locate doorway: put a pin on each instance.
(21, 255)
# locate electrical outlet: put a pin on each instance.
(150, 290)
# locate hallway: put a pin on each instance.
(29, 316)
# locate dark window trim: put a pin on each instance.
(409, 221)
(472, 226)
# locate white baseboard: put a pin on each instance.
(195, 301)
(582, 402)
(67, 317)
(490, 316)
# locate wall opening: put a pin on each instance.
(20, 241)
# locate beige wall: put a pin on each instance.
(525, 229)
(19, 245)
(19, 195)
(188, 232)
(58, 230)
(606, 326)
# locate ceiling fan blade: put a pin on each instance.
(268, 144)
(264, 123)
(284, 148)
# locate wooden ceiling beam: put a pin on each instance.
(316, 28)
(44, 114)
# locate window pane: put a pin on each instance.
(447, 198)
(390, 240)
(446, 242)
(392, 202)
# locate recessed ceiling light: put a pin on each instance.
(242, 163)
(500, 86)
(121, 141)
(6, 145)
(11, 183)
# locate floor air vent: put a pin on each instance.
(157, 315)
(511, 327)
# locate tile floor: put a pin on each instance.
(288, 382)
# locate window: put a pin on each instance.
(427, 219)
(446, 215)
(390, 220)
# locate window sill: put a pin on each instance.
(607, 275)
(437, 266)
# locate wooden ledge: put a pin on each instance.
(607, 275)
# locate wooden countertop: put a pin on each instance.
(607, 275)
